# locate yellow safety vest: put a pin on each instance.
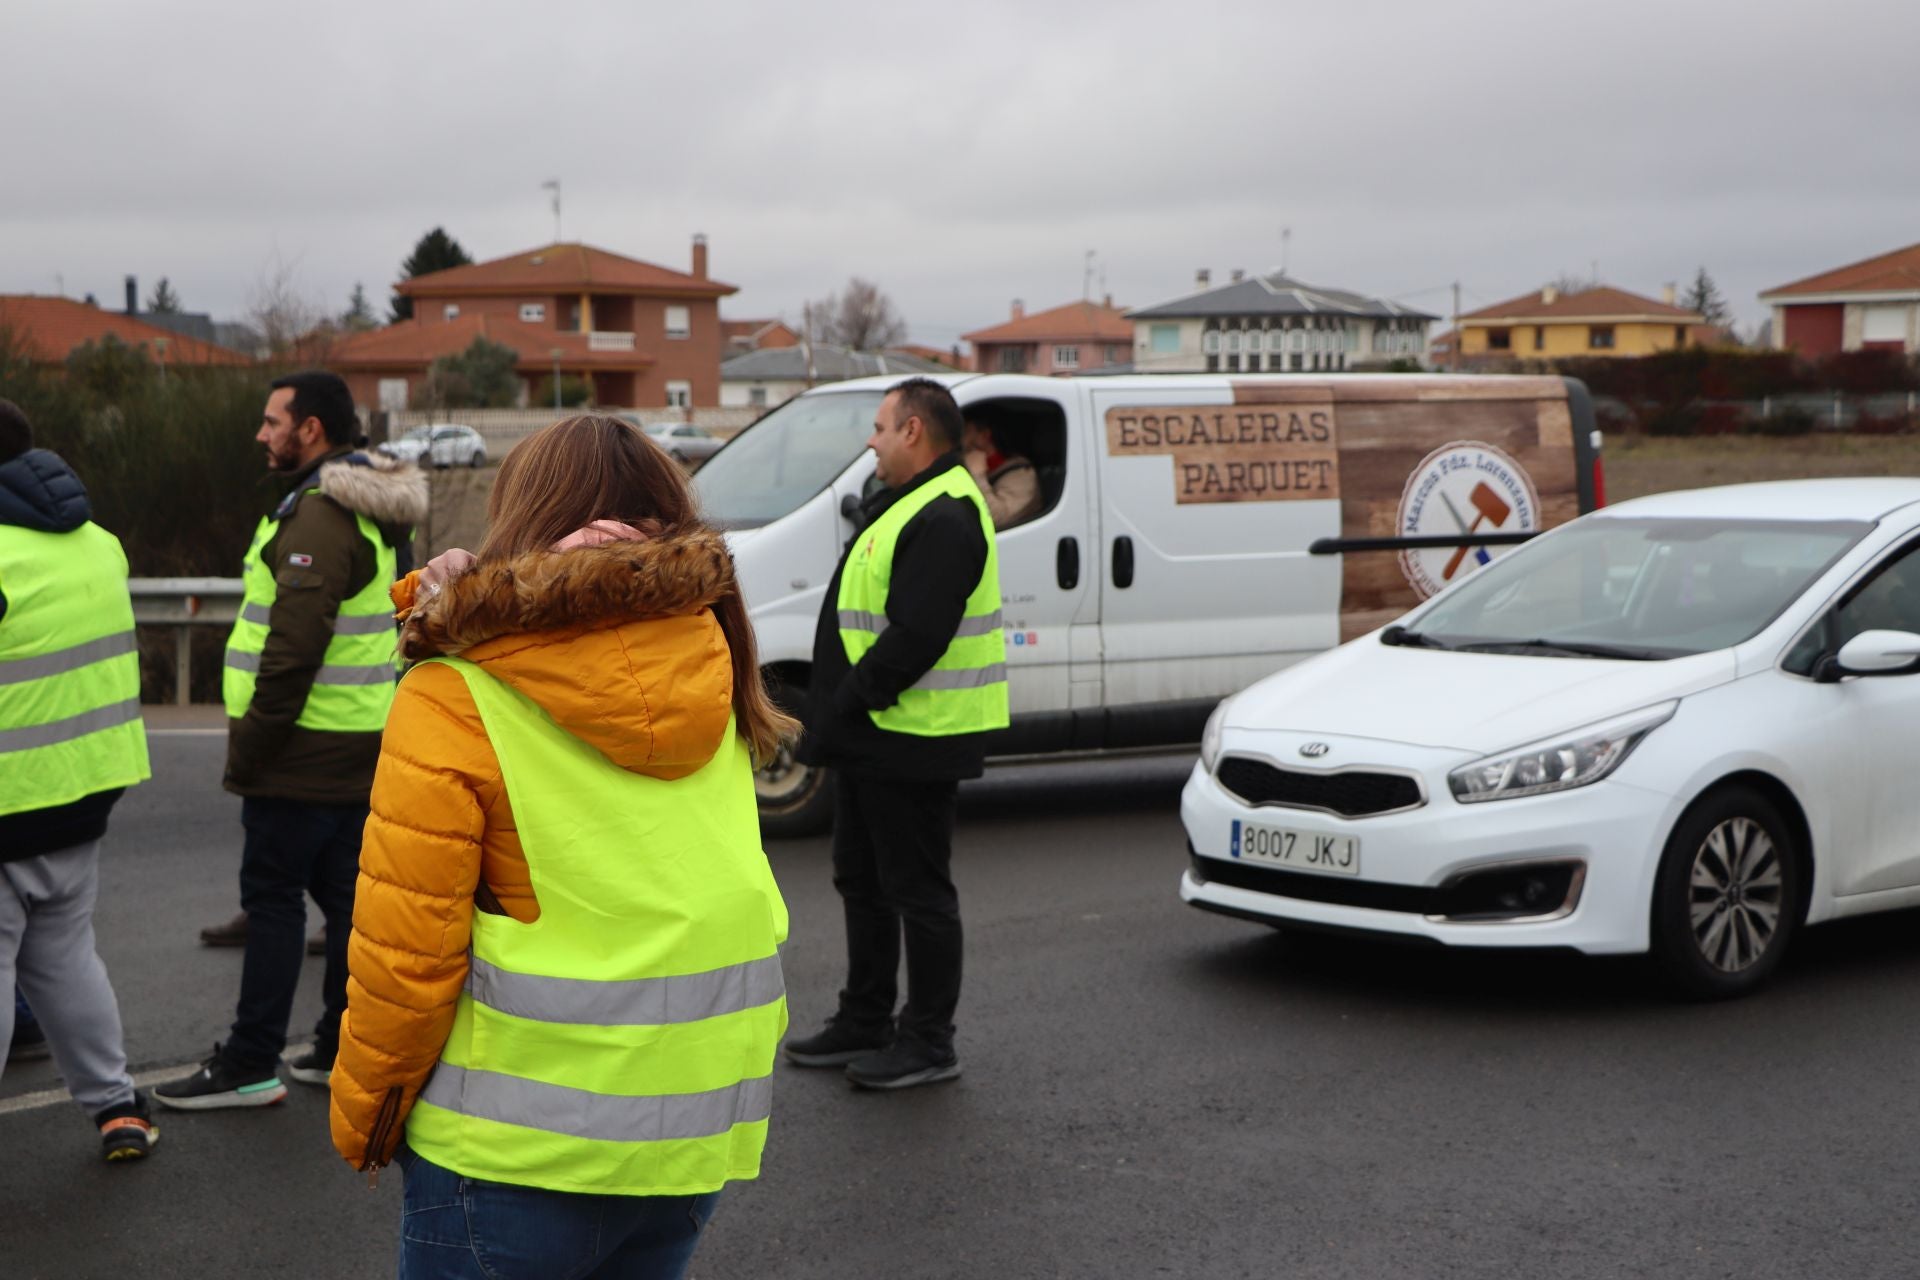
(69, 672)
(621, 1044)
(966, 691)
(354, 687)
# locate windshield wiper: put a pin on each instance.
(1573, 648)
(1411, 639)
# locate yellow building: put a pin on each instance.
(1600, 321)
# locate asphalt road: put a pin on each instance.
(1149, 1091)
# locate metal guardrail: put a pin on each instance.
(183, 604)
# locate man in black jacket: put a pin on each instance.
(901, 734)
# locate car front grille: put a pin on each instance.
(1350, 793)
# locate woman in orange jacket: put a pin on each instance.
(599, 596)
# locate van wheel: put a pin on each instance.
(796, 799)
(1727, 899)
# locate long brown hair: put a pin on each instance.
(592, 467)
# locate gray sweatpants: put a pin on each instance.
(46, 945)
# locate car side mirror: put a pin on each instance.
(850, 507)
(1871, 653)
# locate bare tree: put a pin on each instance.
(859, 317)
(279, 311)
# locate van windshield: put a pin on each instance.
(1616, 587)
(785, 458)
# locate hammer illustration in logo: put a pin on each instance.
(1488, 506)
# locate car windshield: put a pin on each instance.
(1619, 587)
(785, 458)
(418, 433)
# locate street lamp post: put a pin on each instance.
(556, 377)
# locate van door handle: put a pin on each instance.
(1066, 564)
(1123, 562)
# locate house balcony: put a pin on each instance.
(609, 340)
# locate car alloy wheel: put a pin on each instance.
(1735, 900)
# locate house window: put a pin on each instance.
(1539, 337)
(1210, 342)
(757, 397)
(1600, 337)
(1066, 357)
(1276, 340)
(451, 311)
(1164, 339)
(1233, 342)
(1499, 339)
(677, 322)
(1351, 343)
(1299, 344)
(1111, 354)
(679, 395)
(1013, 359)
(533, 312)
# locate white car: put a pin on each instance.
(443, 446)
(1682, 725)
(685, 441)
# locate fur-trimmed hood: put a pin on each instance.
(616, 642)
(385, 490)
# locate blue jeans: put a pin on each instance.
(455, 1228)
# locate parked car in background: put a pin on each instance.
(1680, 725)
(449, 445)
(687, 443)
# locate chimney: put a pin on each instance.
(699, 256)
(133, 295)
(1549, 295)
(1019, 309)
(1239, 274)
(1667, 294)
(1202, 278)
(1107, 302)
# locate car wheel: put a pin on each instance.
(476, 459)
(1727, 899)
(796, 799)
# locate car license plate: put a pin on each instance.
(1296, 850)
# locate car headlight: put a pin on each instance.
(1210, 736)
(1571, 760)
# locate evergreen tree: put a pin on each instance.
(1704, 296)
(165, 301)
(436, 251)
(358, 315)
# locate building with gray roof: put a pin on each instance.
(1273, 324)
(764, 378)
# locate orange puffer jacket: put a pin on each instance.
(617, 644)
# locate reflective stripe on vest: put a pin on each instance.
(623, 1042)
(69, 671)
(354, 685)
(966, 690)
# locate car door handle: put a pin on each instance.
(1066, 564)
(1123, 562)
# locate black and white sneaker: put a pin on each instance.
(218, 1083)
(838, 1043)
(313, 1066)
(904, 1064)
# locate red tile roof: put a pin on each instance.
(761, 333)
(1602, 302)
(417, 343)
(921, 351)
(562, 268)
(1077, 321)
(1896, 272)
(53, 328)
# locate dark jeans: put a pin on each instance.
(892, 849)
(455, 1228)
(292, 849)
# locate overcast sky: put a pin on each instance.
(961, 155)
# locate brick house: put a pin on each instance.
(743, 336)
(1865, 306)
(1075, 338)
(642, 335)
(51, 329)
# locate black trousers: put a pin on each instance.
(292, 849)
(892, 852)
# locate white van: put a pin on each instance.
(1199, 531)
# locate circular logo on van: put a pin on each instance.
(1462, 488)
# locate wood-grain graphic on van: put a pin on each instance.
(1262, 449)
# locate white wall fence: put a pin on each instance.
(506, 427)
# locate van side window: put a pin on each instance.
(1888, 601)
(1032, 431)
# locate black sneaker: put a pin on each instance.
(903, 1064)
(313, 1066)
(29, 1043)
(218, 1083)
(125, 1131)
(838, 1043)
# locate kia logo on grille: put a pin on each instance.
(1313, 750)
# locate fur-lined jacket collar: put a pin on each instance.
(385, 490)
(585, 587)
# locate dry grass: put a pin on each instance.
(1637, 466)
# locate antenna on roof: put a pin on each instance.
(1086, 279)
(1286, 234)
(553, 185)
